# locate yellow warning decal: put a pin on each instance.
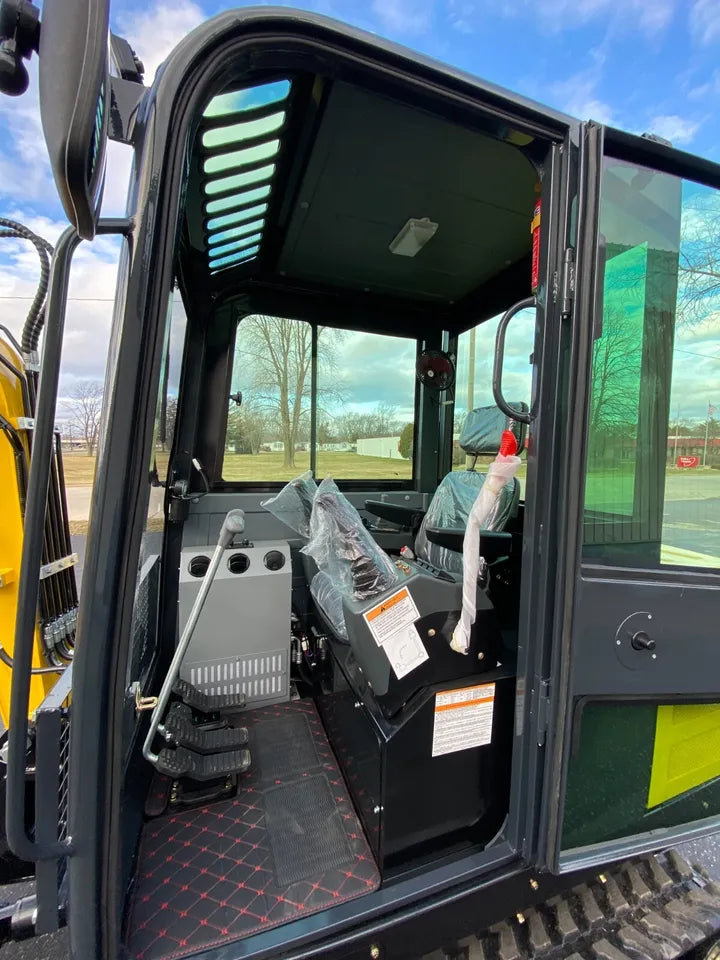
(686, 752)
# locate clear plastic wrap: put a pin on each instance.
(450, 507)
(329, 598)
(483, 516)
(293, 504)
(342, 547)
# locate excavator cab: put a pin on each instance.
(326, 701)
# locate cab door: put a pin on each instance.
(633, 747)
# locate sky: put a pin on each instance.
(642, 65)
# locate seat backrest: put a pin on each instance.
(450, 507)
(483, 427)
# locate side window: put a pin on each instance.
(355, 398)
(473, 388)
(166, 411)
(147, 597)
(653, 471)
(366, 405)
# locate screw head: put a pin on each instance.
(375, 952)
(534, 884)
(431, 632)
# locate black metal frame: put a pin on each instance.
(43, 848)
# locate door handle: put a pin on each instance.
(519, 415)
(641, 641)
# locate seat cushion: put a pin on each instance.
(450, 507)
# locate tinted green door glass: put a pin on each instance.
(652, 491)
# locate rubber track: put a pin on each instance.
(649, 908)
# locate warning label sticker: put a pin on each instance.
(393, 614)
(392, 624)
(463, 718)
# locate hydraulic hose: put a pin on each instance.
(36, 314)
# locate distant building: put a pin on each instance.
(379, 447)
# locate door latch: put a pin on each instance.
(142, 703)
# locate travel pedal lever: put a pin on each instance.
(195, 766)
(202, 738)
(207, 702)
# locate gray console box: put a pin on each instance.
(242, 639)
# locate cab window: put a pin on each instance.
(320, 399)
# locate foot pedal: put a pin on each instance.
(196, 766)
(202, 738)
(206, 702)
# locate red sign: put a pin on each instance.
(688, 461)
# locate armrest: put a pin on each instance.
(398, 513)
(493, 543)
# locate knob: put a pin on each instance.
(641, 641)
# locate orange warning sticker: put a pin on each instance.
(463, 718)
(396, 612)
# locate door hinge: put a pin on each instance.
(568, 283)
(542, 711)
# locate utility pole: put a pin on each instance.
(471, 371)
(710, 411)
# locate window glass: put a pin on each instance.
(473, 388)
(652, 491)
(366, 405)
(268, 434)
(364, 394)
(166, 411)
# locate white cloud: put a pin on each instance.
(404, 16)
(650, 16)
(705, 21)
(156, 31)
(674, 128)
(578, 96)
(92, 289)
(25, 173)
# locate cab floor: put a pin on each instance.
(287, 845)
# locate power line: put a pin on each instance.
(69, 300)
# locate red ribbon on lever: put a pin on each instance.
(508, 444)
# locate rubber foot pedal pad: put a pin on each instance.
(207, 702)
(202, 739)
(197, 766)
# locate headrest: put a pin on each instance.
(483, 427)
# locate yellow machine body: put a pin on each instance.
(11, 538)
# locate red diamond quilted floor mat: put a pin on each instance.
(287, 845)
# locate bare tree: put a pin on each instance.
(616, 364)
(84, 408)
(278, 355)
(699, 266)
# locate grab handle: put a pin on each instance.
(519, 415)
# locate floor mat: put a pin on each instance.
(289, 844)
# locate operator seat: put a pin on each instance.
(452, 501)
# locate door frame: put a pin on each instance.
(572, 572)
